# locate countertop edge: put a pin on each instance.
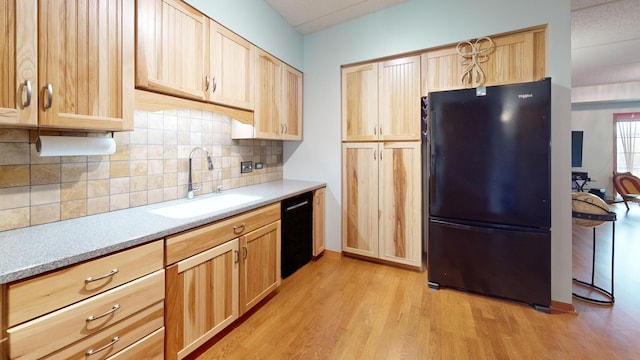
(137, 233)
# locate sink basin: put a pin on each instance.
(197, 207)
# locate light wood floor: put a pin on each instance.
(342, 308)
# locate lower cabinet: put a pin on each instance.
(318, 221)
(260, 265)
(381, 201)
(201, 299)
(237, 264)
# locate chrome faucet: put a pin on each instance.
(191, 189)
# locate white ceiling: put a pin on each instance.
(605, 34)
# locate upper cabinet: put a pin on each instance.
(18, 63)
(77, 69)
(170, 48)
(379, 101)
(278, 102)
(232, 74)
(514, 58)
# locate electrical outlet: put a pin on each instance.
(246, 166)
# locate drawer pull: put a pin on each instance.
(238, 228)
(113, 341)
(108, 312)
(92, 279)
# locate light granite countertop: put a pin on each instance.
(37, 249)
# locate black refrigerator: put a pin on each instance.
(489, 208)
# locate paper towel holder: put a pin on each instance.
(74, 145)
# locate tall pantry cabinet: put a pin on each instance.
(381, 161)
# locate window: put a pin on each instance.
(627, 145)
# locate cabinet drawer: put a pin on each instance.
(34, 297)
(115, 338)
(72, 323)
(189, 243)
(151, 347)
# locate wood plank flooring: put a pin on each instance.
(343, 308)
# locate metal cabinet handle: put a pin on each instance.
(374, 155)
(245, 252)
(206, 83)
(113, 341)
(49, 89)
(286, 129)
(237, 253)
(375, 130)
(108, 312)
(92, 279)
(25, 86)
(238, 228)
(215, 85)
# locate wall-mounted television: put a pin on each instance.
(576, 148)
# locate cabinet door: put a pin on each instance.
(291, 103)
(202, 298)
(19, 62)
(360, 103)
(360, 198)
(511, 61)
(171, 38)
(399, 99)
(260, 265)
(441, 70)
(85, 56)
(318, 221)
(268, 89)
(400, 203)
(232, 59)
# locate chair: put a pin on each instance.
(628, 186)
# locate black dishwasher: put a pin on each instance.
(297, 233)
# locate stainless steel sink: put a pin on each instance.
(197, 207)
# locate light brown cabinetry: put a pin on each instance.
(515, 58)
(19, 63)
(100, 306)
(170, 48)
(381, 200)
(81, 76)
(202, 298)
(318, 221)
(232, 59)
(379, 101)
(216, 272)
(3, 330)
(259, 265)
(278, 102)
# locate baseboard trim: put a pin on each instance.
(558, 307)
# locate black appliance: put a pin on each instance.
(297, 233)
(490, 191)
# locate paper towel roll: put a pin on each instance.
(74, 146)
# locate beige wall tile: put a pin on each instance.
(155, 181)
(97, 188)
(14, 175)
(122, 153)
(73, 191)
(119, 186)
(138, 183)
(45, 194)
(73, 172)
(98, 170)
(138, 167)
(155, 167)
(14, 218)
(14, 153)
(118, 202)
(42, 214)
(139, 136)
(170, 193)
(98, 205)
(155, 152)
(14, 135)
(155, 196)
(138, 152)
(73, 209)
(15, 197)
(138, 198)
(120, 169)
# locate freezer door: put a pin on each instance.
(505, 263)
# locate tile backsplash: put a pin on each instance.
(150, 165)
